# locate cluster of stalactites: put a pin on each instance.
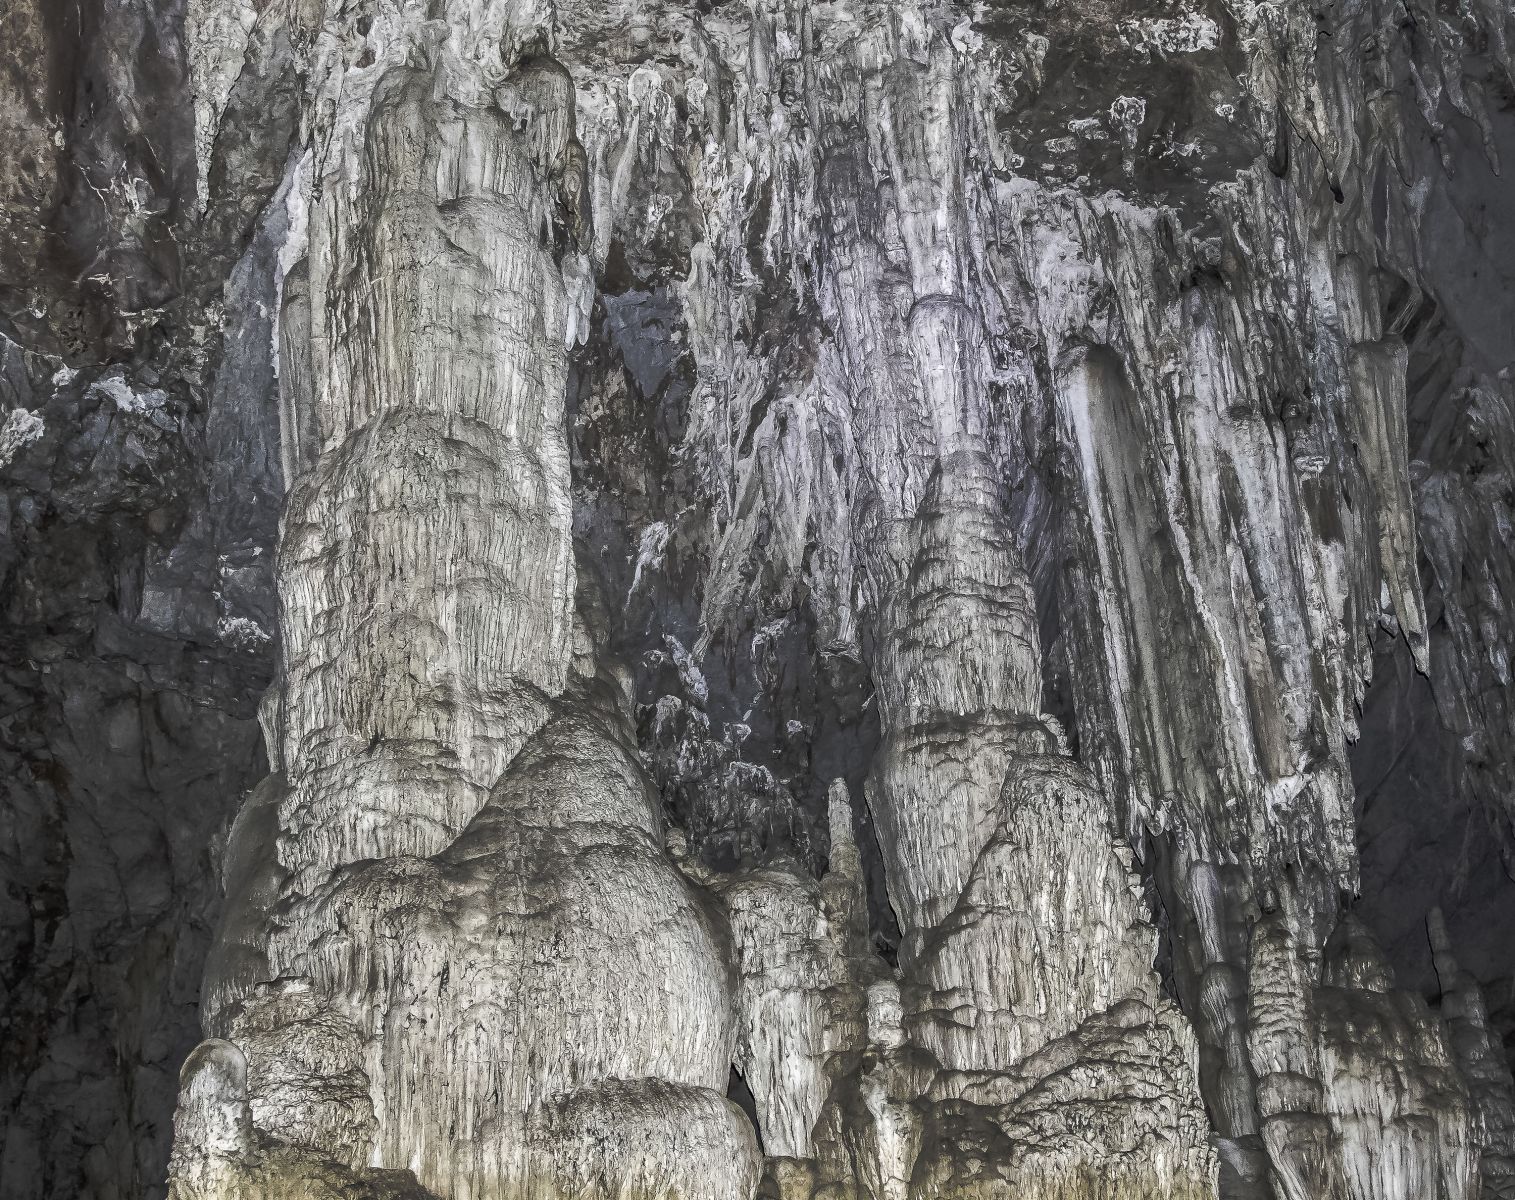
(1220, 620)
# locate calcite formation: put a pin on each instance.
(852, 600)
(460, 851)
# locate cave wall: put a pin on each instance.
(963, 553)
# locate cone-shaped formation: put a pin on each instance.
(1027, 958)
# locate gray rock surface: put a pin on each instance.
(697, 598)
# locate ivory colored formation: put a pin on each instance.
(833, 555)
(465, 956)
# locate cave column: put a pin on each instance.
(460, 848)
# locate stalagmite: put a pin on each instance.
(461, 848)
(1479, 1062)
(801, 1004)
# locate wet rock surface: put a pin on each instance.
(803, 597)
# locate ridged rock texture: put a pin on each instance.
(715, 599)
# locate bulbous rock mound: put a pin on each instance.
(513, 1068)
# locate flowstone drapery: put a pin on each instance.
(460, 850)
(833, 554)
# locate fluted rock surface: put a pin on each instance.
(460, 849)
(425, 573)
(873, 600)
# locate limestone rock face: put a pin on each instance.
(704, 599)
